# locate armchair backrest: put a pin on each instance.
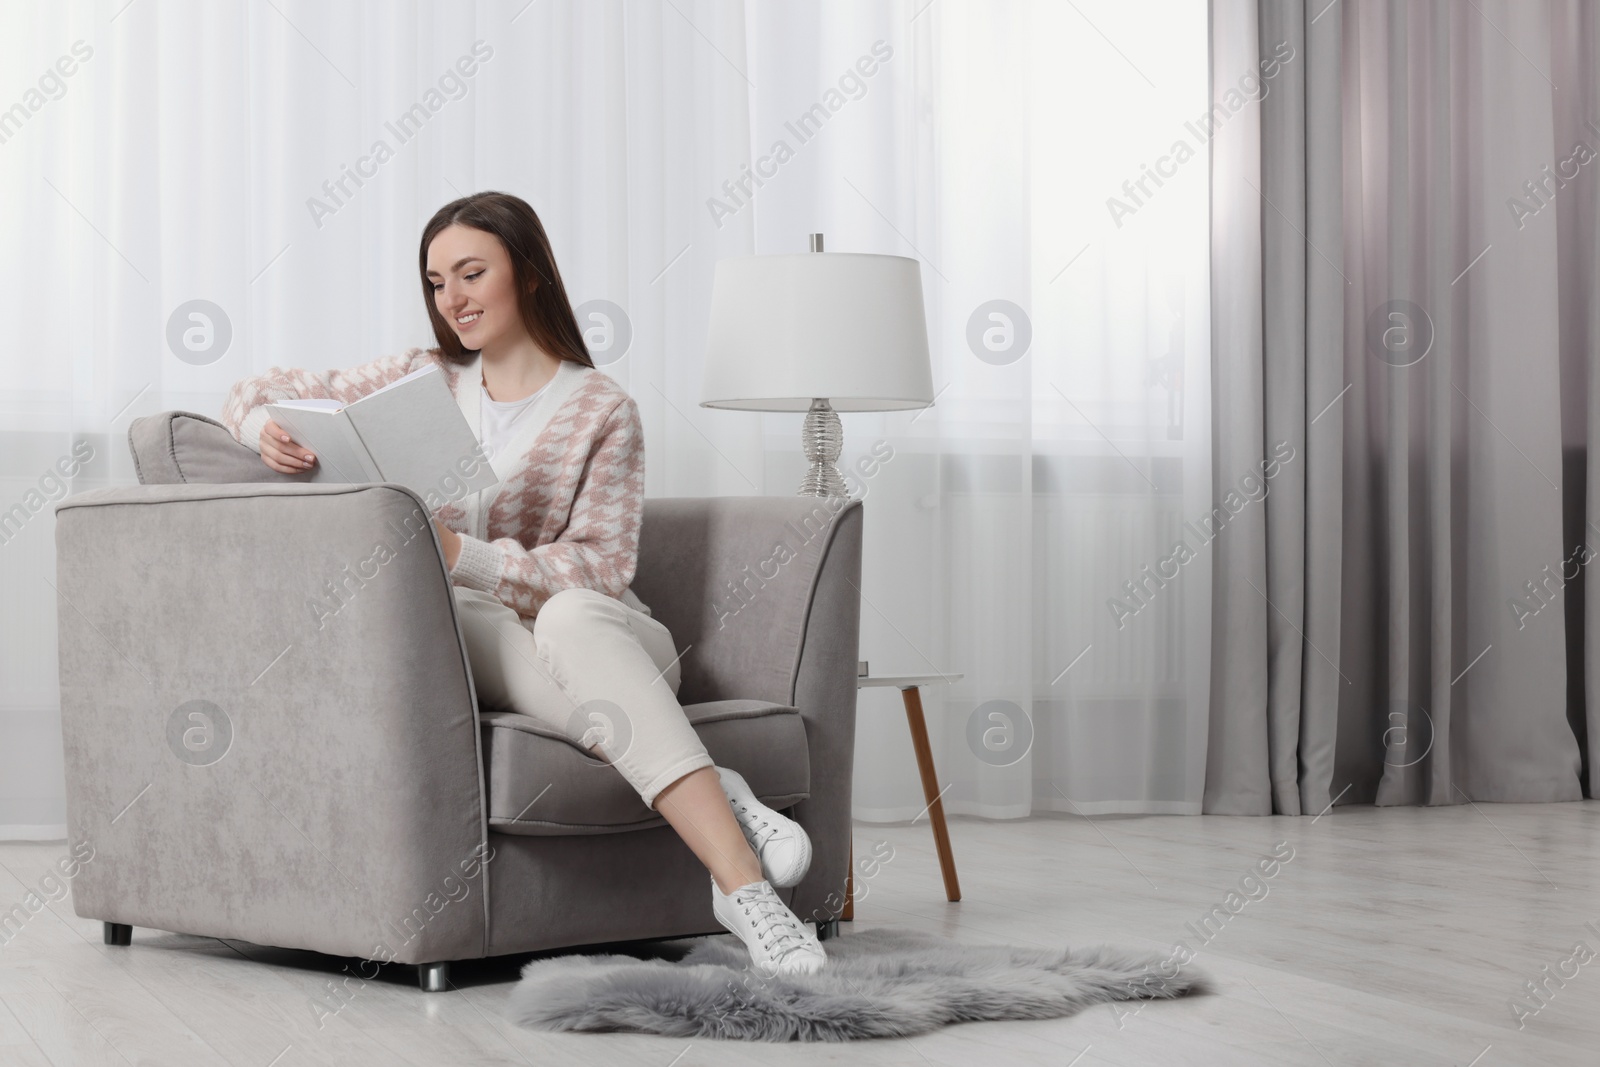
(740, 582)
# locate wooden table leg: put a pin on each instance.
(930, 789)
(848, 913)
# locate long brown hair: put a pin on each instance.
(545, 311)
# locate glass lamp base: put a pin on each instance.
(822, 439)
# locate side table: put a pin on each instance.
(911, 694)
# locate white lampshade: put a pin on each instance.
(842, 326)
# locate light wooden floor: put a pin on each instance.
(1392, 937)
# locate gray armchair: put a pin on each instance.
(271, 732)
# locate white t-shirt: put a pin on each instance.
(499, 417)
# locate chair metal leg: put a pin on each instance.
(118, 933)
(827, 930)
(433, 977)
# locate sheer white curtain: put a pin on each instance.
(1000, 538)
(277, 161)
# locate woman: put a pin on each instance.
(541, 562)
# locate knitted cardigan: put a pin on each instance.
(567, 516)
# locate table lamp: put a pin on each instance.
(820, 333)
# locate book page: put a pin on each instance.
(419, 438)
(341, 457)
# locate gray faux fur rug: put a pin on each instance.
(878, 983)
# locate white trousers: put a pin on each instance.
(592, 668)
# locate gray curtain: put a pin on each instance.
(1404, 278)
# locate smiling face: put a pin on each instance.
(474, 287)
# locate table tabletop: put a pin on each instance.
(904, 681)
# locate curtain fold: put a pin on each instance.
(1322, 681)
(1427, 276)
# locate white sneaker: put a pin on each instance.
(779, 943)
(778, 841)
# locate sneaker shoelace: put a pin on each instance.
(772, 917)
(757, 831)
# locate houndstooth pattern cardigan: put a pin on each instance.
(566, 515)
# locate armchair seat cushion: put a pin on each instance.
(541, 784)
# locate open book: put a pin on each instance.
(410, 432)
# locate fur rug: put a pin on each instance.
(878, 983)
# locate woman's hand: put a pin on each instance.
(282, 453)
(450, 541)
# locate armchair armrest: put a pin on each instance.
(269, 724)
